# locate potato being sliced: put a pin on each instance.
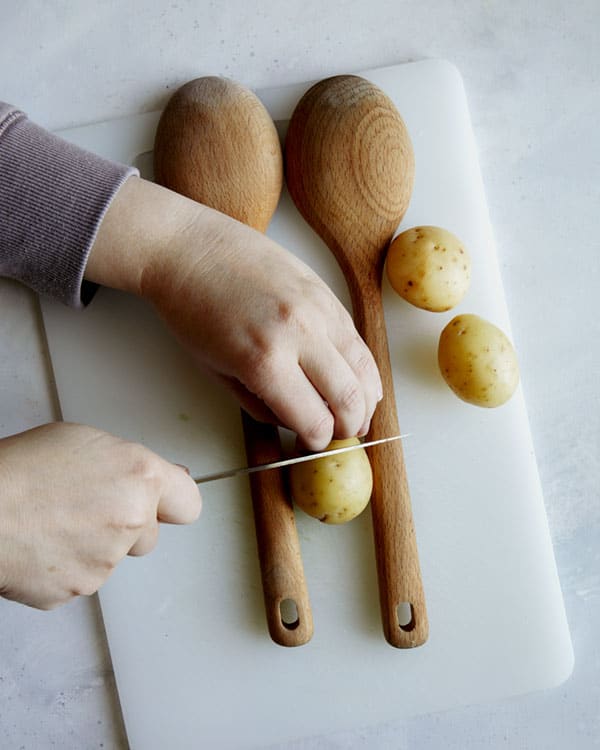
(333, 489)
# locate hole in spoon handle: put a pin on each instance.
(288, 611)
(289, 616)
(405, 612)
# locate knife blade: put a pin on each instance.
(243, 470)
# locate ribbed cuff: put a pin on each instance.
(53, 196)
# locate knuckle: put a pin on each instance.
(144, 466)
(146, 543)
(260, 371)
(319, 433)
(132, 513)
(150, 544)
(259, 345)
(54, 602)
(84, 588)
(356, 351)
(345, 320)
(107, 565)
(364, 361)
(350, 397)
(288, 316)
(48, 605)
(286, 312)
(145, 477)
(134, 516)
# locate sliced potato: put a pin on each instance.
(478, 361)
(334, 489)
(429, 267)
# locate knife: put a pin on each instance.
(289, 461)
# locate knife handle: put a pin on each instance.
(287, 604)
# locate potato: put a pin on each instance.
(334, 489)
(429, 267)
(478, 361)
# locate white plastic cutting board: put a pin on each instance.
(194, 663)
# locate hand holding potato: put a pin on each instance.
(252, 314)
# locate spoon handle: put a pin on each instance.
(287, 603)
(401, 596)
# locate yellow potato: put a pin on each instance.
(429, 267)
(478, 361)
(334, 489)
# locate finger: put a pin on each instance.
(363, 365)
(338, 385)
(295, 402)
(146, 541)
(180, 500)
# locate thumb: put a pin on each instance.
(180, 500)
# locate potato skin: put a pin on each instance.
(334, 489)
(478, 361)
(429, 267)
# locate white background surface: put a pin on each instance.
(532, 76)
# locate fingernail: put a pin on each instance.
(185, 468)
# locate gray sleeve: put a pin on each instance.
(53, 196)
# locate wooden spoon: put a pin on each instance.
(216, 143)
(350, 171)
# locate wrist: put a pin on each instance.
(136, 235)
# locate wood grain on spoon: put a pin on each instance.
(350, 171)
(215, 143)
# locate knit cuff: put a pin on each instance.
(53, 197)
